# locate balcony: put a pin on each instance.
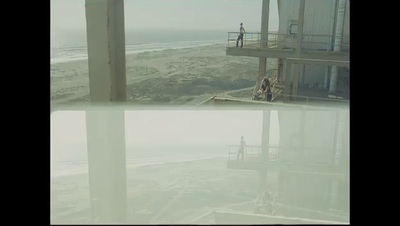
(318, 161)
(284, 46)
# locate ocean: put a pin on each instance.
(70, 45)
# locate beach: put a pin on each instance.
(173, 76)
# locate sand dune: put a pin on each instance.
(174, 76)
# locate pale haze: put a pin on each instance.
(171, 128)
(207, 15)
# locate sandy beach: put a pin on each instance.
(168, 193)
(173, 76)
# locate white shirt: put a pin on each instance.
(242, 30)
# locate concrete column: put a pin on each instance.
(335, 138)
(300, 27)
(326, 78)
(264, 23)
(302, 75)
(280, 70)
(302, 136)
(262, 68)
(106, 128)
(346, 163)
(106, 50)
(107, 167)
(338, 41)
(288, 79)
(295, 80)
(284, 70)
(265, 134)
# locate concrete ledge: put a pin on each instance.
(283, 53)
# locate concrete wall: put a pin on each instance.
(317, 135)
(314, 76)
(321, 133)
(319, 21)
(346, 28)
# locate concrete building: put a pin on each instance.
(309, 169)
(312, 47)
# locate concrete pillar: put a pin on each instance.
(106, 50)
(295, 80)
(346, 147)
(335, 139)
(280, 69)
(284, 70)
(265, 134)
(302, 75)
(300, 27)
(288, 79)
(262, 68)
(302, 137)
(338, 41)
(333, 81)
(106, 128)
(107, 167)
(326, 78)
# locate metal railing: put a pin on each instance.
(310, 42)
(252, 152)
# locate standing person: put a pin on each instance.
(240, 37)
(241, 149)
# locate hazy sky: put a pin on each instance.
(224, 15)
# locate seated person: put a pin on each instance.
(265, 86)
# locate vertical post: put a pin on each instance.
(341, 7)
(280, 70)
(265, 147)
(106, 50)
(262, 65)
(284, 70)
(264, 23)
(326, 78)
(265, 135)
(295, 80)
(288, 78)
(335, 138)
(106, 128)
(107, 165)
(300, 27)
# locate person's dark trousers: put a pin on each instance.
(269, 96)
(241, 41)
